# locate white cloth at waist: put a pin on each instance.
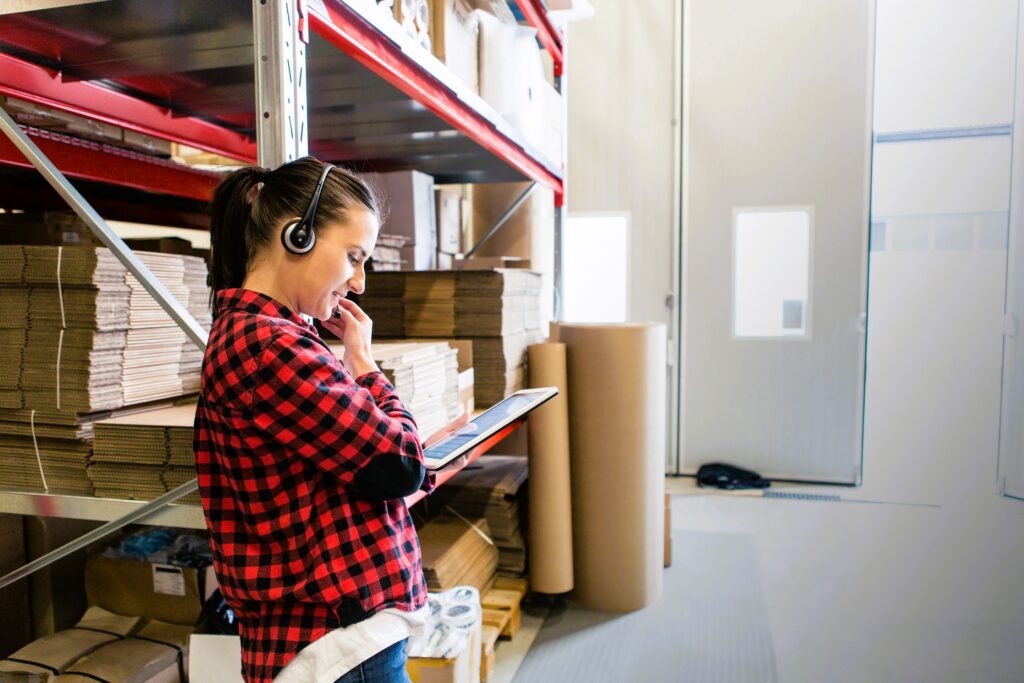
(341, 650)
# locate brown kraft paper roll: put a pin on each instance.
(617, 437)
(550, 534)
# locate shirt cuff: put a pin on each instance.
(377, 384)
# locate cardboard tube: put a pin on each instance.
(550, 535)
(617, 435)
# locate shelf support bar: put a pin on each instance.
(502, 220)
(97, 533)
(104, 232)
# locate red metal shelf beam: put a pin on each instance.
(33, 83)
(104, 163)
(444, 475)
(537, 16)
(350, 33)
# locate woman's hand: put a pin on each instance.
(355, 329)
(461, 421)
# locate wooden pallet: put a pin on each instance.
(503, 607)
(487, 643)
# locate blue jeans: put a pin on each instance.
(387, 666)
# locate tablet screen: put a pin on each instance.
(485, 425)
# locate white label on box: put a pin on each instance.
(168, 580)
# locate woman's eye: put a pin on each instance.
(353, 259)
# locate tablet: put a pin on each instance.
(487, 424)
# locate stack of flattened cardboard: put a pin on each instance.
(81, 340)
(143, 455)
(106, 647)
(199, 306)
(492, 488)
(159, 360)
(66, 311)
(387, 253)
(383, 302)
(457, 552)
(81, 334)
(426, 377)
(499, 310)
(48, 449)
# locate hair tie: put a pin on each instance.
(250, 196)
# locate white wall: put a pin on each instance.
(939, 231)
(620, 71)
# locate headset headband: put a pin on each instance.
(309, 217)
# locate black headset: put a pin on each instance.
(298, 235)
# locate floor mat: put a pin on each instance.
(710, 626)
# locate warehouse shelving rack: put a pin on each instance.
(332, 77)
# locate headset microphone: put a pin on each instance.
(298, 236)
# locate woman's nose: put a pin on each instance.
(358, 283)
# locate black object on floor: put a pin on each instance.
(729, 477)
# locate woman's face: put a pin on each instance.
(335, 265)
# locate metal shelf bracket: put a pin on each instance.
(502, 219)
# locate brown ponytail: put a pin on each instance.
(229, 227)
(244, 218)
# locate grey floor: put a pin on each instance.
(711, 623)
(781, 590)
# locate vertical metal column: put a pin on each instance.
(560, 211)
(280, 36)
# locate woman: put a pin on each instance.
(304, 459)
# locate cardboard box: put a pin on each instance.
(49, 228)
(13, 599)
(466, 390)
(409, 207)
(155, 591)
(449, 220)
(529, 232)
(511, 73)
(417, 258)
(551, 144)
(492, 262)
(151, 656)
(462, 669)
(668, 529)
(489, 640)
(412, 15)
(214, 659)
(455, 38)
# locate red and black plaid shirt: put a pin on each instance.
(281, 431)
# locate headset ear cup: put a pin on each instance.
(297, 238)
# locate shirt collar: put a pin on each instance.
(238, 299)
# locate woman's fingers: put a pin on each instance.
(353, 308)
(461, 421)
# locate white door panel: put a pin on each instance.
(777, 115)
(1011, 435)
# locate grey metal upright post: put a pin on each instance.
(561, 86)
(280, 36)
